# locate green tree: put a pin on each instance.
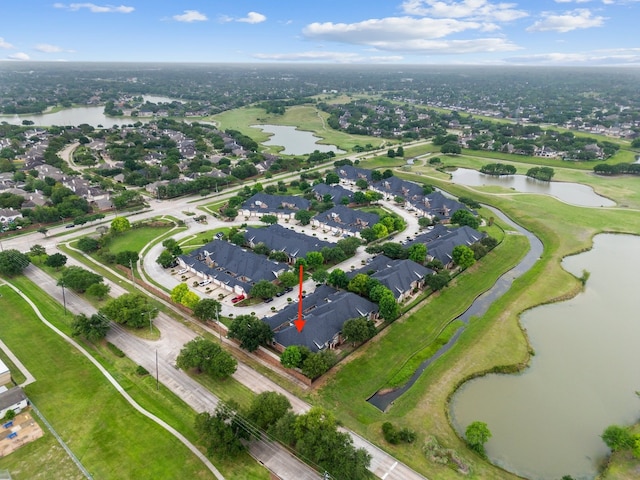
(208, 357)
(303, 216)
(465, 217)
(359, 284)
(128, 258)
(230, 213)
(332, 178)
(267, 408)
(132, 309)
(319, 276)
(251, 331)
(618, 438)
(78, 279)
(92, 328)
(388, 307)
(12, 262)
(314, 259)
(289, 279)
(120, 225)
(165, 259)
(178, 292)
(317, 364)
(37, 250)
(190, 299)
(418, 253)
(263, 289)
(291, 357)
(338, 278)
(451, 148)
(98, 290)
(477, 434)
(438, 281)
(207, 309)
(56, 260)
(380, 230)
(269, 219)
(88, 244)
(463, 256)
(220, 432)
(357, 330)
(172, 246)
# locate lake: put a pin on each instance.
(91, 115)
(294, 141)
(547, 421)
(572, 193)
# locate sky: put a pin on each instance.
(423, 32)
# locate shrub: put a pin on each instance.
(115, 350)
(140, 370)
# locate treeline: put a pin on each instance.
(617, 169)
(201, 184)
(498, 169)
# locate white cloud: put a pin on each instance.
(253, 17)
(579, 1)
(47, 48)
(391, 29)
(5, 44)
(93, 8)
(190, 16)
(481, 10)
(562, 23)
(324, 56)
(19, 56)
(449, 47)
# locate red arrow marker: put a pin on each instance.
(299, 323)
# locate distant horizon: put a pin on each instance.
(333, 32)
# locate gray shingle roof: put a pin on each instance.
(294, 244)
(347, 218)
(275, 203)
(325, 311)
(233, 265)
(397, 275)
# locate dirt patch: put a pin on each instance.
(24, 429)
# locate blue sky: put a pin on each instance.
(484, 32)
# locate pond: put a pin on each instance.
(547, 421)
(294, 141)
(572, 193)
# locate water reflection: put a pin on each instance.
(547, 421)
(573, 193)
(294, 141)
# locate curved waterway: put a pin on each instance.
(568, 192)
(547, 421)
(382, 399)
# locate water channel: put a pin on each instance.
(294, 141)
(547, 421)
(572, 193)
(477, 308)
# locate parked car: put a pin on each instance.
(288, 289)
(237, 299)
(184, 270)
(71, 225)
(268, 300)
(204, 282)
(279, 294)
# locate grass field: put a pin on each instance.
(113, 441)
(305, 117)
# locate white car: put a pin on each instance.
(184, 270)
(204, 282)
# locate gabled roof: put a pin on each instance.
(233, 265)
(442, 246)
(275, 203)
(325, 312)
(396, 275)
(294, 244)
(347, 218)
(349, 172)
(337, 192)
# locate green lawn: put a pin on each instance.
(137, 237)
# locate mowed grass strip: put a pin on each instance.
(161, 402)
(110, 438)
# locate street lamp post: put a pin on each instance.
(150, 323)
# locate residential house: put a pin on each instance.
(8, 215)
(231, 267)
(402, 277)
(440, 244)
(324, 312)
(344, 221)
(276, 237)
(282, 206)
(336, 192)
(5, 374)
